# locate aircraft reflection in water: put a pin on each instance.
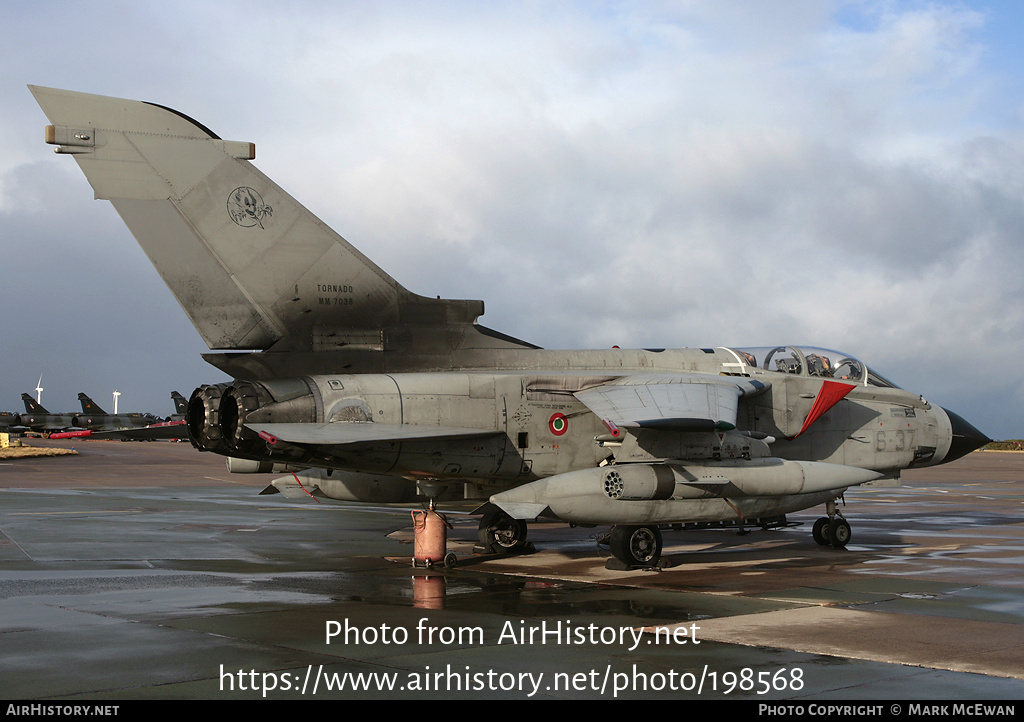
(383, 395)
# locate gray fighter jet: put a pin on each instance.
(385, 395)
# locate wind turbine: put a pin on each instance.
(116, 394)
(39, 390)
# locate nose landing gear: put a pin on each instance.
(501, 534)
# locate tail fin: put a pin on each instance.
(251, 267)
(32, 406)
(180, 403)
(89, 406)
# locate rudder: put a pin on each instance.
(89, 406)
(32, 406)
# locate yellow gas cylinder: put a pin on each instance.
(430, 538)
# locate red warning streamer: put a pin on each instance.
(832, 392)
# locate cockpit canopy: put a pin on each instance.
(809, 361)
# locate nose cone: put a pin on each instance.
(966, 438)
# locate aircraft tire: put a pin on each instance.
(839, 532)
(637, 546)
(820, 531)
(501, 533)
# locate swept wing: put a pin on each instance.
(676, 402)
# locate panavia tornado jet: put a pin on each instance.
(383, 395)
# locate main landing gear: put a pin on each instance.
(832, 530)
(501, 534)
(635, 546)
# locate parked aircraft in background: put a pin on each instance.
(96, 419)
(180, 406)
(37, 418)
(386, 395)
(157, 431)
(173, 428)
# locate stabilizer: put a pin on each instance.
(89, 406)
(251, 267)
(32, 406)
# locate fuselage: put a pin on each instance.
(541, 429)
(100, 422)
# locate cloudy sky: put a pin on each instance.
(656, 174)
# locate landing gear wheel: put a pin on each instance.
(820, 531)
(500, 533)
(839, 532)
(450, 560)
(638, 546)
